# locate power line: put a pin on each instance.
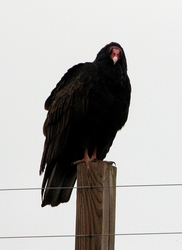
(93, 235)
(89, 235)
(88, 187)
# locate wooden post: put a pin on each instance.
(95, 214)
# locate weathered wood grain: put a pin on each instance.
(95, 214)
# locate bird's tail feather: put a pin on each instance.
(56, 191)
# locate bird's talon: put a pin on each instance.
(111, 162)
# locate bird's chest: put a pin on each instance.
(107, 102)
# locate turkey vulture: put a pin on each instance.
(85, 110)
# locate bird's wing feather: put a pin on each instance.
(68, 103)
(62, 83)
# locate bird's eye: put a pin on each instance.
(114, 51)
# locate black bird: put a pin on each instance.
(85, 110)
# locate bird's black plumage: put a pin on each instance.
(85, 110)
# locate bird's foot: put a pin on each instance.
(86, 161)
(111, 162)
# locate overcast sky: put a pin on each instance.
(39, 41)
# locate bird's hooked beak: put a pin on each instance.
(115, 59)
(115, 54)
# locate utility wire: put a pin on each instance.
(89, 235)
(91, 187)
(93, 235)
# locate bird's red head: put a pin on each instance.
(115, 53)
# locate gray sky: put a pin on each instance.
(39, 41)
